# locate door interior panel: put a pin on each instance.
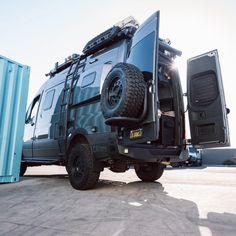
(204, 89)
(206, 102)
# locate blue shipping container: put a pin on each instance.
(14, 83)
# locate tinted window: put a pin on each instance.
(88, 80)
(33, 109)
(204, 89)
(47, 104)
(141, 54)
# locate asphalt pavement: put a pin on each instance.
(193, 201)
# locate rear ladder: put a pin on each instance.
(70, 83)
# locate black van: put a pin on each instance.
(120, 104)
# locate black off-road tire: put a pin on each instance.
(23, 168)
(149, 172)
(81, 168)
(123, 92)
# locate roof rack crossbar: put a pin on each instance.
(68, 61)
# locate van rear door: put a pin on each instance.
(206, 102)
(144, 55)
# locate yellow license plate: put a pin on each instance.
(136, 133)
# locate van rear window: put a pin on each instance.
(141, 54)
(47, 104)
(88, 79)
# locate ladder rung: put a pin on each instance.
(75, 66)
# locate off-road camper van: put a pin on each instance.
(120, 104)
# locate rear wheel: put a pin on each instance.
(149, 172)
(81, 168)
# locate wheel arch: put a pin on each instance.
(78, 136)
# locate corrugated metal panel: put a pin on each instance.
(14, 83)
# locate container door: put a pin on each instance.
(206, 102)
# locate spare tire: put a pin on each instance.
(123, 92)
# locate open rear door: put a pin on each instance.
(144, 55)
(206, 102)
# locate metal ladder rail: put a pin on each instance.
(63, 120)
(74, 75)
(66, 87)
(74, 81)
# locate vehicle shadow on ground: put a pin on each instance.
(54, 176)
(177, 216)
(112, 208)
(220, 223)
(45, 176)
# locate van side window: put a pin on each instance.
(32, 111)
(88, 79)
(47, 104)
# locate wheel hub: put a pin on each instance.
(114, 92)
(78, 168)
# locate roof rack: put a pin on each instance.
(127, 22)
(58, 68)
(123, 29)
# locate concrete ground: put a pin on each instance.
(196, 201)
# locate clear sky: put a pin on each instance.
(40, 33)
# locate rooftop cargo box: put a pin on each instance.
(14, 83)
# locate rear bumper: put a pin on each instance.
(149, 153)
